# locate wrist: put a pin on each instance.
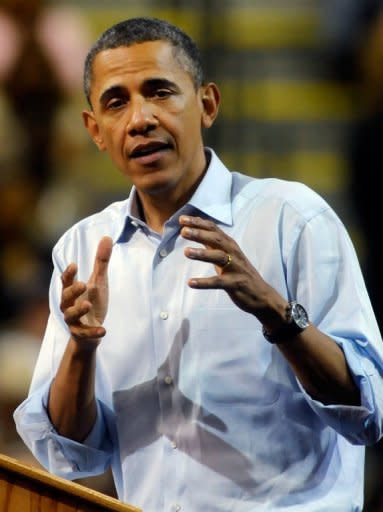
(295, 320)
(85, 347)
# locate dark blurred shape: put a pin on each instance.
(33, 90)
(32, 78)
(366, 154)
(20, 339)
(354, 31)
(43, 47)
(346, 26)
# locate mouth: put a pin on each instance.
(151, 149)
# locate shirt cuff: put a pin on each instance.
(358, 424)
(59, 455)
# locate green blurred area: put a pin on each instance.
(280, 115)
(283, 114)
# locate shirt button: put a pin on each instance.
(163, 253)
(164, 315)
(177, 507)
(168, 379)
(173, 445)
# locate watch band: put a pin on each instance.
(282, 335)
(296, 321)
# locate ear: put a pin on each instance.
(92, 126)
(210, 97)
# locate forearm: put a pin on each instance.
(72, 404)
(321, 367)
(317, 361)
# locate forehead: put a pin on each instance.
(136, 63)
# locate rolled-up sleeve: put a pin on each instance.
(328, 267)
(358, 424)
(59, 455)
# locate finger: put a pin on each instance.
(69, 274)
(198, 222)
(204, 231)
(70, 294)
(86, 333)
(215, 256)
(73, 314)
(211, 238)
(101, 261)
(208, 283)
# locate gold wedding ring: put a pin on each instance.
(228, 262)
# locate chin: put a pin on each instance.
(157, 189)
(156, 184)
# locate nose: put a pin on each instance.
(142, 119)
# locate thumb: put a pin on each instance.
(101, 261)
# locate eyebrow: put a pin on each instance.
(160, 82)
(152, 83)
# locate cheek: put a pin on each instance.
(190, 128)
(187, 121)
(185, 110)
(113, 135)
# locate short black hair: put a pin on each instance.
(141, 30)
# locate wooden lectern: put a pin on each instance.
(27, 489)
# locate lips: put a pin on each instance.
(149, 148)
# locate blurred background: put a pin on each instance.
(302, 87)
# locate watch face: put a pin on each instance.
(296, 321)
(299, 315)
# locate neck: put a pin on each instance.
(156, 209)
(156, 213)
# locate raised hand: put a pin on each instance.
(234, 272)
(84, 305)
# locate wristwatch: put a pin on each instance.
(297, 320)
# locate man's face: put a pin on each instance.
(148, 116)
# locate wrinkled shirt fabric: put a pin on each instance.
(196, 410)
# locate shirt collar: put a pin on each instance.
(212, 198)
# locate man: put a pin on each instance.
(175, 350)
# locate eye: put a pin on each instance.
(115, 103)
(162, 93)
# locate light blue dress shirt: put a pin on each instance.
(196, 410)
